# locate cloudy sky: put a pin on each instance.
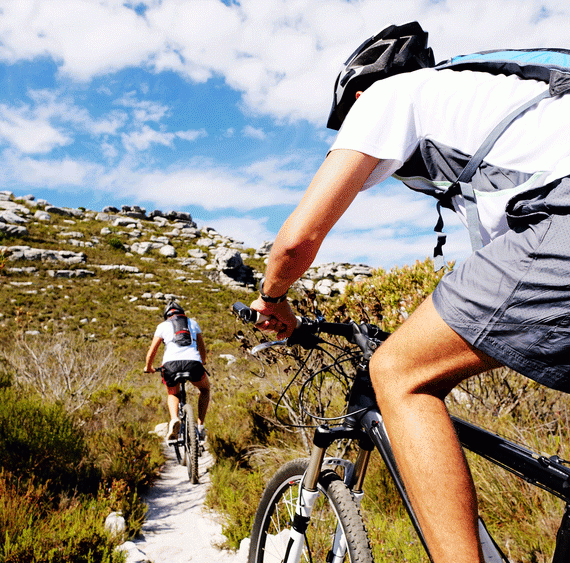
(219, 107)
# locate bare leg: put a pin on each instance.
(204, 399)
(412, 372)
(172, 401)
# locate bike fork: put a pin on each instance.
(308, 494)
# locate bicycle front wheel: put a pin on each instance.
(191, 444)
(334, 513)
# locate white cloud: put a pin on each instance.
(109, 151)
(193, 135)
(145, 137)
(54, 104)
(48, 173)
(282, 55)
(382, 248)
(51, 121)
(251, 231)
(142, 139)
(199, 183)
(29, 132)
(143, 110)
(390, 203)
(254, 133)
(282, 171)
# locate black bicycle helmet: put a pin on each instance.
(394, 50)
(172, 308)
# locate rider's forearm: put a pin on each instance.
(149, 361)
(292, 254)
(338, 180)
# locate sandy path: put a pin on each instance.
(178, 528)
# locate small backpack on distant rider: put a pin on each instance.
(175, 314)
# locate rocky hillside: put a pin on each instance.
(57, 262)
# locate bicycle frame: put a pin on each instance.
(364, 424)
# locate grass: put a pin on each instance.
(108, 437)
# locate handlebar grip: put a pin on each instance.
(247, 314)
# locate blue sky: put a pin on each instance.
(219, 108)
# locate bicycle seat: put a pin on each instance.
(182, 376)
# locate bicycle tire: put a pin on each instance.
(191, 444)
(334, 506)
(180, 455)
(179, 448)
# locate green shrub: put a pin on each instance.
(43, 442)
(116, 243)
(71, 532)
(387, 298)
(235, 493)
(130, 460)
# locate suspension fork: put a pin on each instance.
(308, 491)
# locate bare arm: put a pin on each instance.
(201, 347)
(150, 355)
(334, 187)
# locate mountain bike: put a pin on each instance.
(188, 446)
(310, 511)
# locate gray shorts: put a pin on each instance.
(511, 299)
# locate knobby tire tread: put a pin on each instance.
(191, 443)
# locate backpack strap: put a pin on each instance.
(463, 183)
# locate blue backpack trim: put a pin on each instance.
(535, 64)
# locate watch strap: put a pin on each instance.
(269, 299)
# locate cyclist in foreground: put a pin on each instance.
(184, 351)
(507, 304)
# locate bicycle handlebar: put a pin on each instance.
(248, 315)
(366, 336)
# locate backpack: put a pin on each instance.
(551, 66)
(182, 334)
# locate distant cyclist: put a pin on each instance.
(184, 352)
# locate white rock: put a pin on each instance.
(168, 251)
(133, 553)
(115, 523)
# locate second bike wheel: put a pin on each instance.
(334, 508)
(179, 448)
(191, 445)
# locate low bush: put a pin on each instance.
(235, 493)
(71, 532)
(63, 368)
(69, 479)
(130, 460)
(116, 243)
(43, 443)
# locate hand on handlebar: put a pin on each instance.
(280, 317)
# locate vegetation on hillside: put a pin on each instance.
(76, 410)
(70, 458)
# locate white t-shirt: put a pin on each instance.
(459, 109)
(173, 351)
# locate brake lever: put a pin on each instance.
(265, 345)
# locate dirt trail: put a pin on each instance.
(178, 528)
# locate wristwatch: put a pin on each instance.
(268, 299)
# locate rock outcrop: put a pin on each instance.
(221, 258)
